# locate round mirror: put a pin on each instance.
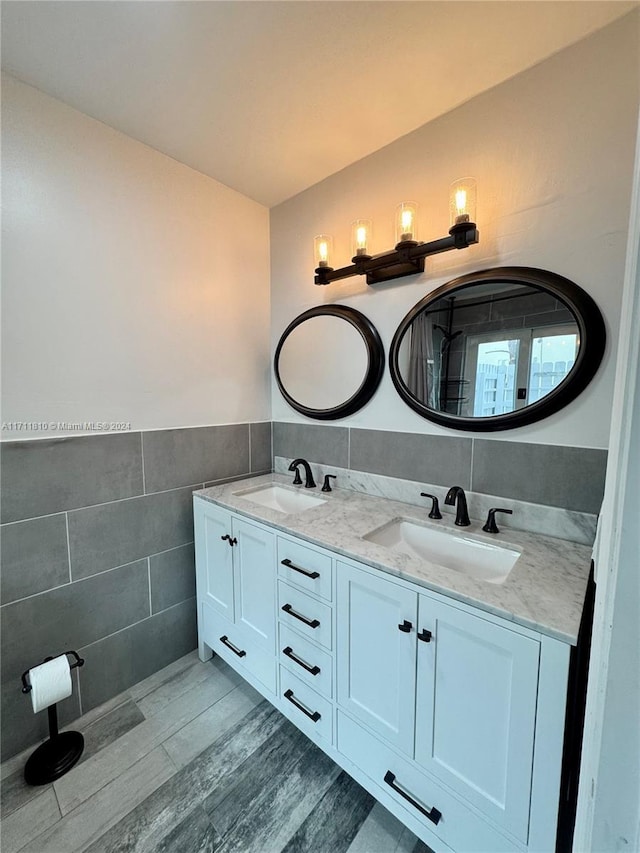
(497, 349)
(329, 362)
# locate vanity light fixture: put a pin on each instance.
(408, 256)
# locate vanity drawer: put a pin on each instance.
(230, 642)
(306, 660)
(309, 617)
(417, 793)
(307, 709)
(305, 567)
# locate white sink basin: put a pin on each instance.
(280, 498)
(460, 552)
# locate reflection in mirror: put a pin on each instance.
(489, 353)
(496, 349)
(329, 362)
(323, 362)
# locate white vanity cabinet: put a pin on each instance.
(377, 654)
(476, 695)
(447, 688)
(450, 716)
(235, 580)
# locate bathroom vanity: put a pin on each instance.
(441, 690)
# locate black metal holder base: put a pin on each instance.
(54, 758)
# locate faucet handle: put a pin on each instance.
(297, 480)
(490, 525)
(326, 486)
(435, 507)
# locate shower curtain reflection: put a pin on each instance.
(425, 360)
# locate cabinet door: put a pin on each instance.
(475, 710)
(214, 557)
(255, 584)
(376, 660)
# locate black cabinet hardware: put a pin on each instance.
(312, 670)
(433, 814)
(305, 572)
(435, 507)
(312, 623)
(231, 541)
(425, 636)
(326, 486)
(490, 524)
(405, 627)
(313, 715)
(240, 652)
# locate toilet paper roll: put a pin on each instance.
(50, 682)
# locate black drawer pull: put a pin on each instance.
(425, 636)
(312, 623)
(433, 814)
(312, 670)
(240, 652)
(405, 627)
(305, 572)
(231, 541)
(313, 715)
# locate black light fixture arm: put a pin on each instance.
(406, 259)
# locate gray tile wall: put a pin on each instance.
(566, 477)
(97, 556)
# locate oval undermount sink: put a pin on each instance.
(462, 553)
(280, 498)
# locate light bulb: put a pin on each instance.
(322, 248)
(406, 213)
(462, 203)
(360, 237)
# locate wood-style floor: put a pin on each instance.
(194, 760)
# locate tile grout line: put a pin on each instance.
(66, 521)
(149, 577)
(132, 625)
(349, 448)
(88, 577)
(144, 481)
(35, 517)
(96, 506)
(250, 466)
(473, 448)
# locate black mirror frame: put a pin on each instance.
(375, 361)
(592, 345)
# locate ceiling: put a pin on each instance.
(272, 96)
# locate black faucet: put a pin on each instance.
(456, 496)
(310, 482)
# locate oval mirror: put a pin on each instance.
(329, 362)
(497, 349)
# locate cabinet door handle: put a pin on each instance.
(405, 627)
(305, 572)
(312, 670)
(231, 541)
(312, 623)
(433, 814)
(313, 715)
(425, 636)
(240, 652)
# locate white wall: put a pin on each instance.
(135, 289)
(552, 151)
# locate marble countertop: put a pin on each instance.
(544, 591)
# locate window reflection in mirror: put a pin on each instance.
(488, 352)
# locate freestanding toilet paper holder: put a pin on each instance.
(56, 756)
